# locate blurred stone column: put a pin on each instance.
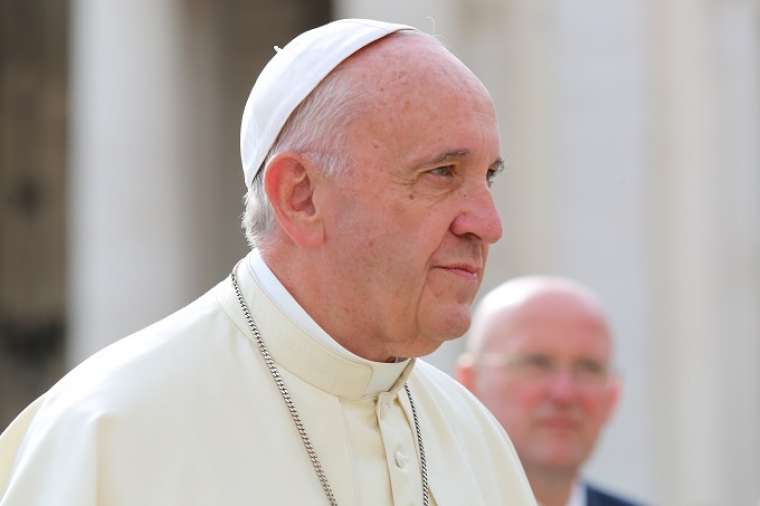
(33, 105)
(158, 89)
(131, 259)
(706, 221)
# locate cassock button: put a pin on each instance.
(401, 460)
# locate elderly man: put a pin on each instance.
(368, 151)
(539, 359)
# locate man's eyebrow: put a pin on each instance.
(457, 154)
(447, 156)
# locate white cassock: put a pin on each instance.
(185, 412)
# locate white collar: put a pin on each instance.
(577, 495)
(384, 375)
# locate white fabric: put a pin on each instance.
(292, 73)
(577, 495)
(185, 412)
(383, 374)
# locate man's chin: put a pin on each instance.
(562, 457)
(419, 348)
(453, 323)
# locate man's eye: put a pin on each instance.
(538, 362)
(492, 173)
(443, 170)
(590, 368)
(533, 364)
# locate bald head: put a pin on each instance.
(531, 302)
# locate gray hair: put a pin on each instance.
(317, 126)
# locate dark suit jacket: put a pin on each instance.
(596, 497)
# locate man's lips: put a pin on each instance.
(559, 423)
(467, 271)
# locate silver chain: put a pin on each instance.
(310, 451)
(421, 447)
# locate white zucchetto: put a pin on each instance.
(292, 73)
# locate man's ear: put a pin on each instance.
(465, 371)
(289, 184)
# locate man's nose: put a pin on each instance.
(478, 216)
(562, 386)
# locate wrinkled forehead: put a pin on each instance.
(418, 101)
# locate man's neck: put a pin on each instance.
(551, 489)
(318, 298)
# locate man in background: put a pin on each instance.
(539, 357)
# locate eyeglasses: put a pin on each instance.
(540, 368)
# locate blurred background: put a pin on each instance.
(631, 130)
